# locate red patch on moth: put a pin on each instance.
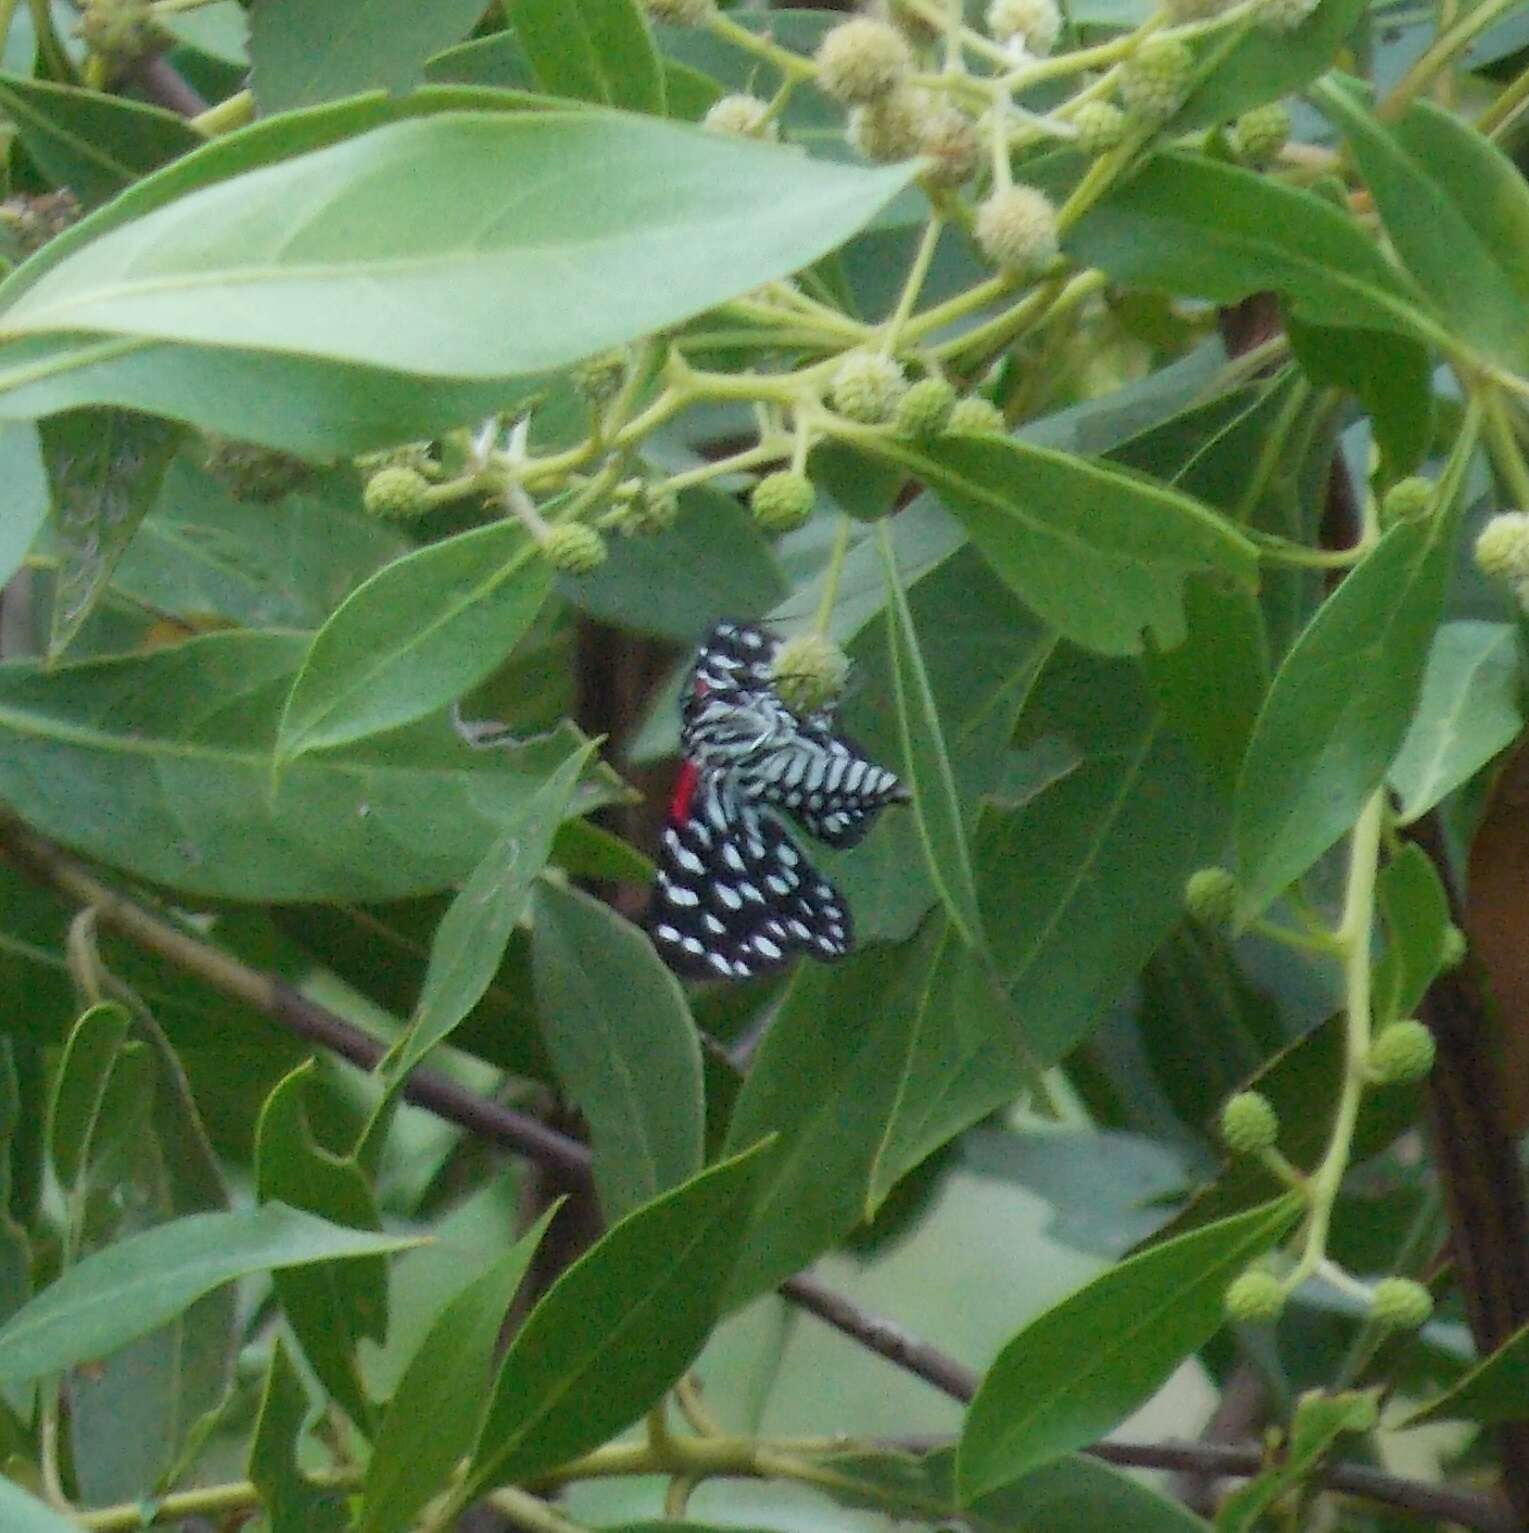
(684, 791)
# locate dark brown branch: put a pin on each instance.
(522, 1135)
(165, 86)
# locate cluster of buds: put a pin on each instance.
(1502, 552)
(118, 32)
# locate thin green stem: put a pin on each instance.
(913, 283)
(977, 297)
(792, 65)
(1506, 451)
(527, 1511)
(767, 451)
(232, 112)
(831, 575)
(1506, 107)
(47, 42)
(1440, 54)
(7, 16)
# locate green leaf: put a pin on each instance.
(437, 1411)
(1495, 1390)
(624, 1046)
(1265, 64)
(1423, 176)
(25, 1514)
(1320, 1420)
(421, 632)
(330, 1308)
(183, 796)
(106, 468)
(591, 50)
(1100, 554)
(617, 1328)
(958, 1062)
(936, 808)
(1391, 375)
(308, 256)
(79, 1088)
(469, 943)
(1416, 910)
(1470, 709)
(93, 143)
(1084, 1365)
(1339, 708)
(139, 1283)
(201, 553)
(292, 1503)
(304, 54)
(1109, 813)
(26, 493)
(1207, 230)
(820, 1084)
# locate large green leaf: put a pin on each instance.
(437, 1410)
(1496, 1389)
(591, 50)
(1209, 230)
(448, 245)
(1105, 811)
(26, 1514)
(469, 944)
(1471, 708)
(1100, 554)
(331, 1308)
(1080, 1368)
(623, 1044)
(419, 634)
(1339, 708)
(137, 1284)
(1427, 176)
(94, 143)
(106, 467)
(162, 764)
(292, 1503)
(303, 54)
(617, 1328)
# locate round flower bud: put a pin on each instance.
(1210, 896)
(867, 387)
(809, 671)
(681, 13)
(1399, 1304)
(1454, 949)
(1259, 135)
(1249, 1123)
(572, 548)
(1255, 1298)
(651, 510)
(1407, 500)
(924, 411)
(862, 59)
(1502, 548)
(1402, 1053)
(783, 501)
(599, 378)
(973, 415)
(1155, 79)
(1017, 230)
(740, 116)
(1100, 125)
(948, 139)
(252, 472)
(1032, 23)
(1285, 15)
(396, 493)
(891, 127)
(118, 30)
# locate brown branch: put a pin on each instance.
(515, 1132)
(165, 86)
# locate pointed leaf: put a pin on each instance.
(1496, 1389)
(292, 1503)
(139, 1283)
(591, 50)
(624, 1046)
(1080, 1368)
(79, 1088)
(448, 245)
(469, 943)
(617, 1328)
(1100, 554)
(416, 636)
